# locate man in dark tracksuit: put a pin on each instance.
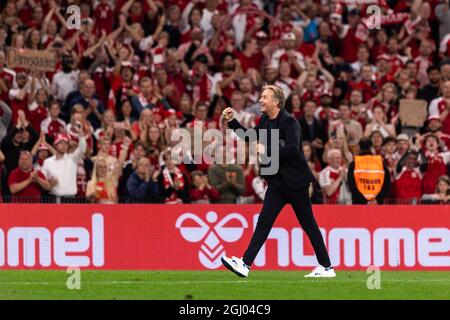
(290, 183)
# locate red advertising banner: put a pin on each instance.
(194, 237)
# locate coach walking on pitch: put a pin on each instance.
(290, 183)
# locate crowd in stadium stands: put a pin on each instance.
(98, 127)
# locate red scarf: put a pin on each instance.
(168, 182)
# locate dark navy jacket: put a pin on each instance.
(293, 168)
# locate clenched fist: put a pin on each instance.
(228, 114)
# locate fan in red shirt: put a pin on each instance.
(435, 126)
(251, 55)
(53, 125)
(350, 35)
(26, 184)
(441, 107)
(284, 25)
(104, 17)
(332, 177)
(19, 96)
(395, 60)
(202, 192)
(37, 110)
(366, 85)
(408, 179)
(436, 163)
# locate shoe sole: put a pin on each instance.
(229, 267)
(334, 276)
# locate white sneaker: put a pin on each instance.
(236, 265)
(321, 272)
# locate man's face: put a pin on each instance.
(245, 85)
(335, 159)
(18, 137)
(197, 180)
(89, 88)
(446, 89)
(267, 101)
(412, 69)
(353, 20)
(62, 147)
(201, 112)
(38, 13)
(271, 74)
(228, 64)
(237, 101)
(25, 161)
(389, 148)
(366, 73)
(161, 76)
(289, 44)
(252, 45)
(310, 108)
(445, 72)
(434, 125)
(146, 88)
(363, 54)
(54, 110)
(402, 146)
(425, 48)
(392, 46)
(310, 83)
(139, 152)
(434, 76)
(411, 161)
(344, 112)
(21, 79)
(127, 74)
(356, 97)
(143, 166)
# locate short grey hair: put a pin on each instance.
(278, 94)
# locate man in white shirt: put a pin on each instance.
(65, 81)
(61, 169)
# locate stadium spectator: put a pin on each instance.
(102, 188)
(20, 137)
(352, 128)
(202, 191)
(437, 163)
(173, 183)
(93, 107)
(332, 179)
(61, 169)
(311, 159)
(441, 106)
(442, 193)
(25, 183)
(379, 124)
(228, 179)
(142, 184)
(408, 178)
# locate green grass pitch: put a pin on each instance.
(211, 285)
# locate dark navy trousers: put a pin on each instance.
(278, 194)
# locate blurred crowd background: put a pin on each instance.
(98, 127)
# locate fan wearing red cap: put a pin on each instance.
(61, 168)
